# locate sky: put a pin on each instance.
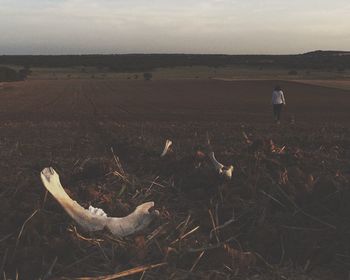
(176, 26)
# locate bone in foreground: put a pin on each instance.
(225, 171)
(168, 143)
(96, 219)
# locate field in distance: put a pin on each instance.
(327, 78)
(161, 100)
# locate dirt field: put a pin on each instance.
(340, 84)
(284, 215)
(187, 100)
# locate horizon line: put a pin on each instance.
(175, 53)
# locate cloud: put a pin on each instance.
(219, 26)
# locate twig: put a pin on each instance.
(152, 184)
(274, 199)
(49, 272)
(215, 246)
(190, 232)
(143, 274)
(157, 184)
(123, 177)
(45, 198)
(263, 260)
(4, 259)
(305, 213)
(217, 214)
(90, 240)
(185, 224)
(303, 228)
(185, 235)
(24, 224)
(227, 223)
(6, 237)
(121, 172)
(283, 252)
(208, 139)
(125, 273)
(298, 209)
(214, 226)
(197, 261)
(103, 252)
(155, 233)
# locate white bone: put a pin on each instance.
(96, 219)
(97, 211)
(246, 138)
(225, 171)
(168, 143)
(218, 166)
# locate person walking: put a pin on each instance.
(278, 101)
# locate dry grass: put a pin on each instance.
(283, 215)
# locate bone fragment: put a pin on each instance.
(168, 143)
(225, 171)
(94, 219)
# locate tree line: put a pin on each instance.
(149, 62)
(8, 74)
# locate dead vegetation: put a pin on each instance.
(283, 215)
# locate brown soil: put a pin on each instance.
(288, 211)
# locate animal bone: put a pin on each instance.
(96, 219)
(168, 143)
(218, 166)
(275, 149)
(225, 171)
(97, 211)
(246, 138)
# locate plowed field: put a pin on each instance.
(283, 214)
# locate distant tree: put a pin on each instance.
(8, 75)
(147, 76)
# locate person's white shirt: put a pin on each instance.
(278, 97)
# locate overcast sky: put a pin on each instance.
(173, 26)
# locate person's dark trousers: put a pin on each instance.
(277, 109)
